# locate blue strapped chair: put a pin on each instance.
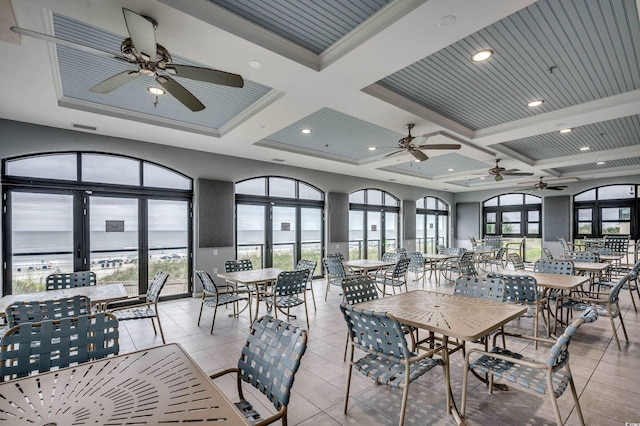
(290, 290)
(563, 267)
(394, 277)
(214, 296)
(494, 241)
(387, 360)
(417, 265)
(41, 310)
(237, 266)
(338, 256)
(335, 273)
(466, 268)
(70, 280)
(606, 303)
(309, 265)
(358, 289)
(142, 306)
(269, 361)
(51, 344)
(551, 377)
(546, 254)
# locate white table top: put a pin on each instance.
(253, 276)
(553, 281)
(152, 386)
(101, 293)
(366, 264)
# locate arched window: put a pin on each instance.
(607, 210)
(373, 223)
(121, 217)
(515, 216)
(279, 221)
(432, 224)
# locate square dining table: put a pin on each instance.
(460, 317)
(366, 265)
(100, 294)
(252, 278)
(152, 386)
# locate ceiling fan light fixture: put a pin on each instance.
(305, 131)
(535, 103)
(482, 55)
(156, 91)
(499, 178)
(567, 130)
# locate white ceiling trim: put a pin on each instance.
(272, 96)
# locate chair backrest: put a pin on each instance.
(416, 261)
(237, 265)
(467, 256)
(70, 280)
(338, 256)
(308, 264)
(520, 289)
(290, 283)
(401, 250)
(584, 256)
(333, 267)
(493, 241)
(617, 243)
(40, 310)
(271, 357)
(563, 243)
(466, 267)
(614, 294)
(562, 267)
(454, 251)
(157, 283)
(479, 288)
(441, 249)
(358, 289)
(401, 267)
(559, 354)
(390, 257)
(474, 242)
(516, 261)
(376, 333)
(43, 346)
(547, 254)
(207, 282)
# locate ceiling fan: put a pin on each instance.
(499, 172)
(544, 185)
(151, 59)
(405, 145)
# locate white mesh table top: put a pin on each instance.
(454, 316)
(253, 276)
(153, 386)
(101, 293)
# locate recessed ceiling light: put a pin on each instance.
(535, 103)
(255, 64)
(305, 131)
(585, 148)
(566, 130)
(600, 163)
(482, 178)
(482, 55)
(416, 161)
(372, 148)
(450, 170)
(156, 90)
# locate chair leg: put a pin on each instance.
(326, 292)
(201, 306)
(465, 384)
(346, 347)
(306, 312)
(346, 397)
(576, 401)
(554, 402)
(213, 321)
(405, 396)
(313, 296)
(615, 332)
(160, 327)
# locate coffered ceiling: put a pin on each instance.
(354, 73)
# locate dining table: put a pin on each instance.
(99, 295)
(157, 385)
(364, 266)
(437, 262)
(451, 316)
(252, 278)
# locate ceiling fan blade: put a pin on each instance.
(557, 188)
(114, 82)
(418, 155)
(205, 74)
(440, 146)
(142, 32)
(180, 93)
(63, 42)
(510, 173)
(391, 154)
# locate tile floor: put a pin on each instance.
(608, 380)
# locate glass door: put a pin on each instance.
(311, 236)
(251, 233)
(390, 232)
(41, 239)
(374, 235)
(283, 236)
(113, 240)
(432, 234)
(356, 234)
(168, 242)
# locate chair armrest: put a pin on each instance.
(536, 365)
(127, 303)
(522, 336)
(223, 372)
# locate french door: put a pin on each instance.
(278, 235)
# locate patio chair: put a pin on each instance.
(517, 247)
(335, 273)
(311, 266)
(387, 359)
(214, 296)
(466, 268)
(546, 254)
(498, 260)
(41, 310)
(551, 377)
(144, 306)
(269, 361)
(606, 303)
(568, 247)
(394, 277)
(70, 280)
(290, 290)
(237, 266)
(338, 256)
(38, 347)
(516, 261)
(417, 265)
(564, 267)
(494, 241)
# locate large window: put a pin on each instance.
(373, 223)
(515, 216)
(432, 224)
(607, 210)
(278, 222)
(121, 217)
